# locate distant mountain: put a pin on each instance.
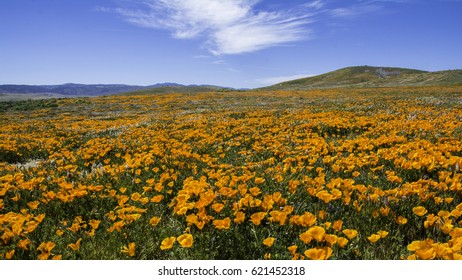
(369, 76)
(97, 89)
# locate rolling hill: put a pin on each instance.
(369, 76)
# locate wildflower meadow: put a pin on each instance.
(320, 174)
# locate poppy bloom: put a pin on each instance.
(94, 223)
(350, 233)
(317, 233)
(269, 241)
(257, 217)
(239, 217)
(130, 250)
(306, 237)
(382, 233)
(154, 221)
(323, 253)
(222, 224)
(374, 238)
(167, 243)
(185, 240)
(401, 220)
(292, 249)
(75, 246)
(419, 211)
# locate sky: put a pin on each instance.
(232, 43)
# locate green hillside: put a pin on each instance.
(368, 76)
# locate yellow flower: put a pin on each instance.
(269, 241)
(342, 242)
(167, 243)
(185, 240)
(239, 217)
(308, 219)
(374, 238)
(23, 244)
(135, 196)
(382, 233)
(217, 207)
(306, 237)
(154, 221)
(317, 233)
(157, 198)
(222, 224)
(292, 249)
(130, 250)
(9, 254)
(259, 180)
(257, 217)
(75, 246)
(33, 205)
(94, 223)
(337, 226)
(350, 233)
(419, 211)
(331, 239)
(323, 253)
(401, 220)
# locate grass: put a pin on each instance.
(116, 176)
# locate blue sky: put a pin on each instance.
(236, 43)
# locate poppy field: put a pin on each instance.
(319, 174)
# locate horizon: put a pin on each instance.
(237, 44)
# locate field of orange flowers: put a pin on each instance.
(321, 174)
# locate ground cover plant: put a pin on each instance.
(320, 174)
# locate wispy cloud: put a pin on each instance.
(242, 26)
(227, 26)
(279, 79)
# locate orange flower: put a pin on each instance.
(217, 207)
(419, 211)
(382, 233)
(292, 249)
(33, 205)
(342, 242)
(75, 246)
(308, 219)
(374, 238)
(222, 224)
(157, 198)
(317, 233)
(130, 250)
(269, 241)
(94, 223)
(185, 240)
(323, 253)
(401, 220)
(167, 243)
(331, 239)
(337, 226)
(350, 233)
(154, 221)
(306, 237)
(257, 217)
(259, 180)
(239, 217)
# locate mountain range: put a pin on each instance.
(97, 89)
(357, 76)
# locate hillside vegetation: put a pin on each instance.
(368, 76)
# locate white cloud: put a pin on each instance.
(280, 79)
(228, 26)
